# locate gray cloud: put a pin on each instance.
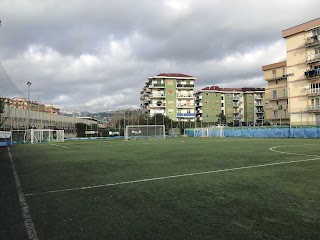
(87, 54)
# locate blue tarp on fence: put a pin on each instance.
(265, 132)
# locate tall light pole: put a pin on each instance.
(29, 85)
(124, 111)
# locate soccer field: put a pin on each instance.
(179, 188)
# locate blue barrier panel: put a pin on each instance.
(298, 133)
(271, 132)
(6, 143)
(310, 132)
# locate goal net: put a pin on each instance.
(37, 136)
(217, 131)
(144, 131)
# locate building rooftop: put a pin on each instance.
(301, 27)
(174, 75)
(245, 89)
(274, 65)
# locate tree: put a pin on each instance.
(222, 118)
(2, 103)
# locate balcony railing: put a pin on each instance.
(186, 115)
(313, 58)
(185, 85)
(312, 73)
(311, 41)
(184, 96)
(314, 108)
(185, 106)
(157, 85)
(157, 95)
(198, 97)
(314, 91)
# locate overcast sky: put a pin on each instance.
(83, 55)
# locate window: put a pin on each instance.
(170, 92)
(276, 82)
(284, 92)
(221, 97)
(317, 51)
(170, 110)
(283, 71)
(221, 104)
(170, 101)
(285, 113)
(274, 73)
(170, 82)
(275, 114)
(275, 94)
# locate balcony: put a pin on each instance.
(236, 105)
(199, 118)
(157, 85)
(312, 41)
(312, 73)
(236, 98)
(259, 103)
(199, 97)
(199, 111)
(186, 115)
(314, 92)
(258, 96)
(199, 105)
(158, 105)
(157, 95)
(185, 85)
(184, 105)
(185, 96)
(313, 58)
(314, 108)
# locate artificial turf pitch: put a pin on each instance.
(185, 196)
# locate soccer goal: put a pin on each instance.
(145, 131)
(37, 136)
(213, 131)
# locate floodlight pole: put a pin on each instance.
(29, 85)
(124, 113)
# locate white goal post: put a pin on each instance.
(145, 131)
(37, 136)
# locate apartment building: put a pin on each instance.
(171, 94)
(23, 103)
(276, 93)
(239, 106)
(303, 67)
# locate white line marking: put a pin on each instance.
(297, 154)
(173, 176)
(32, 234)
(58, 145)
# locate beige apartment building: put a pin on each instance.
(303, 63)
(293, 86)
(276, 93)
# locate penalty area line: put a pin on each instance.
(173, 176)
(59, 145)
(28, 223)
